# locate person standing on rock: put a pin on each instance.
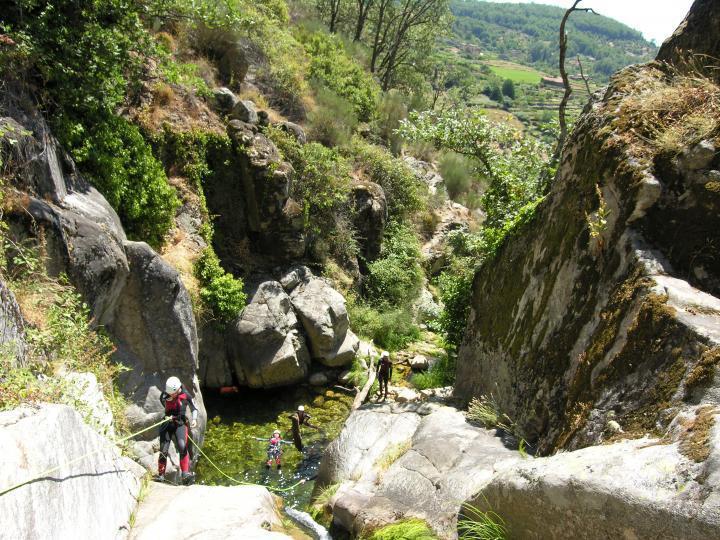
(299, 418)
(384, 373)
(176, 399)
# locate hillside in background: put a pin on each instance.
(528, 34)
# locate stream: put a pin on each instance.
(234, 419)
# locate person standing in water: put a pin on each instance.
(384, 373)
(300, 418)
(274, 451)
(175, 400)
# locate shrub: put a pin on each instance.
(455, 286)
(411, 529)
(406, 194)
(457, 172)
(333, 119)
(390, 328)
(220, 291)
(120, 162)
(475, 524)
(395, 277)
(321, 186)
(440, 374)
(331, 65)
(391, 111)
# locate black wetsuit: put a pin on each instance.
(175, 428)
(298, 419)
(384, 373)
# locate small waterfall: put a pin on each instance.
(306, 521)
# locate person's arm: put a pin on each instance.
(390, 368)
(193, 409)
(307, 422)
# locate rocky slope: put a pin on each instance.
(413, 460)
(600, 320)
(96, 495)
(130, 289)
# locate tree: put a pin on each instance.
(508, 88)
(564, 75)
(330, 10)
(363, 10)
(513, 164)
(401, 28)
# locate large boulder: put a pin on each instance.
(156, 337)
(323, 314)
(408, 461)
(266, 348)
(607, 302)
(451, 216)
(631, 489)
(92, 497)
(209, 512)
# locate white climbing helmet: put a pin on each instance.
(301, 408)
(385, 354)
(276, 432)
(172, 385)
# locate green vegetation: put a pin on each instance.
(405, 194)
(396, 276)
(410, 529)
(528, 34)
(515, 73)
(475, 524)
(390, 327)
(440, 374)
(392, 454)
(341, 73)
(220, 291)
(60, 340)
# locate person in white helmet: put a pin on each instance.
(176, 400)
(384, 373)
(300, 418)
(274, 451)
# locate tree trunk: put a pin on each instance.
(362, 395)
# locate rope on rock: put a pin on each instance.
(44, 474)
(238, 482)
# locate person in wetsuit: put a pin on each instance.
(274, 451)
(384, 373)
(176, 399)
(300, 418)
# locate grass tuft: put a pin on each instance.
(479, 525)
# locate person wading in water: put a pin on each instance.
(176, 399)
(274, 451)
(384, 373)
(299, 418)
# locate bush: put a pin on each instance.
(322, 187)
(391, 111)
(389, 328)
(457, 173)
(220, 292)
(121, 164)
(333, 120)
(395, 278)
(411, 529)
(406, 194)
(440, 374)
(331, 65)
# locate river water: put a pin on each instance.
(234, 419)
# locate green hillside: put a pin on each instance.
(528, 34)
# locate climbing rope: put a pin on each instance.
(85, 456)
(48, 472)
(238, 482)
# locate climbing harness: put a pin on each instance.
(238, 482)
(76, 460)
